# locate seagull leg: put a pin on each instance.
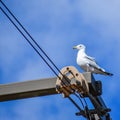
(88, 67)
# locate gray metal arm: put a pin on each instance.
(27, 89)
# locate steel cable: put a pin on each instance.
(35, 48)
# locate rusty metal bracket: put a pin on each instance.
(70, 81)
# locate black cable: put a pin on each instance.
(36, 49)
(86, 108)
(79, 99)
(83, 99)
(74, 103)
(31, 37)
(29, 42)
(37, 52)
(85, 102)
(36, 43)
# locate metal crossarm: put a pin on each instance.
(27, 89)
(72, 82)
(69, 82)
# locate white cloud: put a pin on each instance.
(34, 70)
(102, 16)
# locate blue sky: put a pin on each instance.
(57, 26)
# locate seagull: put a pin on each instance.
(88, 63)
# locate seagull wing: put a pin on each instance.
(92, 62)
(90, 58)
(97, 69)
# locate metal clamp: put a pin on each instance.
(70, 80)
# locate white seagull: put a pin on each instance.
(88, 63)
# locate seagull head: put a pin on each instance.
(79, 47)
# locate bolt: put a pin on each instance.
(76, 74)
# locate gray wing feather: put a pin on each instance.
(90, 58)
(93, 63)
(97, 69)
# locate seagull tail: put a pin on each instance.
(104, 72)
(109, 74)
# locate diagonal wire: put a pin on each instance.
(79, 99)
(33, 40)
(35, 48)
(38, 51)
(31, 37)
(28, 41)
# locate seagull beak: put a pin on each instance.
(75, 47)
